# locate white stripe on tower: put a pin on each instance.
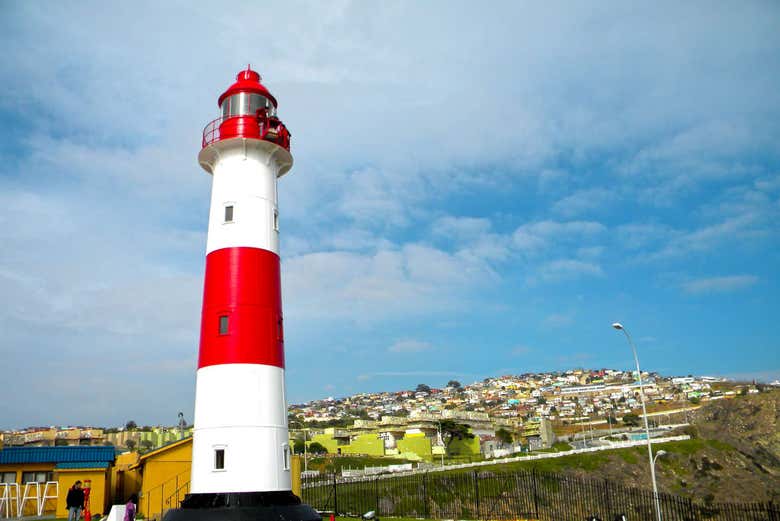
(254, 438)
(248, 184)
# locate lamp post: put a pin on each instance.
(619, 327)
(305, 454)
(441, 439)
(659, 454)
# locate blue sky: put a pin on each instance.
(476, 192)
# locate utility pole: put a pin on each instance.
(305, 453)
(441, 439)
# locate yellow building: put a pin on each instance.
(93, 476)
(63, 466)
(125, 478)
(165, 477)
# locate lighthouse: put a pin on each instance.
(241, 453)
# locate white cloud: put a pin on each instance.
(735, 229)
(414, 280)
(636, 236)
(585, 201)
(566, 269)
(720, 284)
(591, 252)
(409, 346)
(461, 228)
(374, 196)
(768, 184)
(699, 149)
(535, 237)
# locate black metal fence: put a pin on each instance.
(513, 495)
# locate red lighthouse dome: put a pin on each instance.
(248, 81)
(248, 111)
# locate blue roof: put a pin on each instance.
(82, 465)
(65, 454)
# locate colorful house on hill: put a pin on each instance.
(342, 441)
(25, 471)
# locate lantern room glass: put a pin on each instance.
(246, 103)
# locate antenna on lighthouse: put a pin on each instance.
(241, 460)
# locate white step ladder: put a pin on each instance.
(32, 491)
(9, 499)
(51, 491)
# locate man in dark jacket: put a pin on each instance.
(75, 501)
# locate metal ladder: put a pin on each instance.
(9, 499)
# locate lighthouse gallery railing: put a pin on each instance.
(268, 129)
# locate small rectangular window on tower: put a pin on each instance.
(219, 459)
(276, 220)
(224, 324)
(229, 213)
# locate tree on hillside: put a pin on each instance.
(298, 447)
(454, 384)
(631, 419)
(131, 425)
(451, 431)
(147, 445)
(423, 388)
(130, 444)
(317, 448)
(504, 436)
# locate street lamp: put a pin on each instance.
(441, 439)
(619, 327)
(659, 454)
(305, 454)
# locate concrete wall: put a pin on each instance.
(415, 444)
(327, 441)
(370, 444)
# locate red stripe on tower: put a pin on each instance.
(242, 309)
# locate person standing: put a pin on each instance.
(75, 501)
(130, 508)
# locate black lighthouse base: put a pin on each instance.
(243, 506)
